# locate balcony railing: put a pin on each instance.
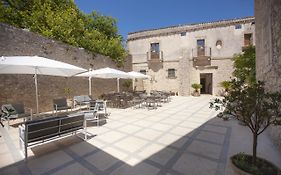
(155, 56)
(202, 51)
(201, 56)
(155, 60)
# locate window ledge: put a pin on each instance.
(171, 77)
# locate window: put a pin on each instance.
(200, 47)
(143, 71)
(183, 33)
(238, 26)
(154, 47)
(219, 44)
(248, 39)
(171, 73)
(154, 51)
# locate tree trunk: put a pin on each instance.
(255, 144)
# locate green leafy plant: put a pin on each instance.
(245, 66)
(196, 87)
(62, 20)
(262, 167)
(248, 102)
(251, 105)
(226, 85)
(67, 92)
(127, 83)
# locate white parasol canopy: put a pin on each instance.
(37, 66)
(137, 75)
(105, 73)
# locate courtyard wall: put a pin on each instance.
(21, 88)
(268, 51)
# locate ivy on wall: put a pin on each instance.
(62, 20)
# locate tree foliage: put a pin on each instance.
(245, 65)
(247, 100)
(62, 20)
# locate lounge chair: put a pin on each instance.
(60, 104)
(15, 111)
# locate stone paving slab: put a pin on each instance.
(181, 137)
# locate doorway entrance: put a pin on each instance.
(206, 80)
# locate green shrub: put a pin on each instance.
(196, 87)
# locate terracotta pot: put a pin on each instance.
(196, 94)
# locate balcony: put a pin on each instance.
(201, 56)
(155, 60)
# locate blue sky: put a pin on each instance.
(135, 15)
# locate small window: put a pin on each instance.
(154, 47)
(248, 39)
(143, 71)
(171, 73)
(238, 26)
(183, 33)
(219, 44)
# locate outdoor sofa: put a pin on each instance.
(38, 131)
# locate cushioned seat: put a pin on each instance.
(82, 100)
(60, 104)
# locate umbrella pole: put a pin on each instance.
(36, 91)
(90, 86)
(133, 84)
(118, 90)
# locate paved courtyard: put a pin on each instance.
(181, 137)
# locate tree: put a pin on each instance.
(62, 20)
(247, 100)
(245, 65)
(251, 105)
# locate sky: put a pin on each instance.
(136, 15)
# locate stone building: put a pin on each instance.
(268, 51)
(178, 56)
(268, 47)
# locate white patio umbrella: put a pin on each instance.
(37, 66)
(137, 75)
(105, 73)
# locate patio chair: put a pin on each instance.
(99, 107)
(82, 100)
(60, 104)
(15, 111)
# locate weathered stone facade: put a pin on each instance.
(268, 48)
(21, 88)
(178, 49)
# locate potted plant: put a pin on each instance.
(127, 84)
(196, 88)
(257, 110)
(67, 92)
(249, 103)
(226, 85)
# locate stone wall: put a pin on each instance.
(268, 48)
(268, 36)
(21, 88)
